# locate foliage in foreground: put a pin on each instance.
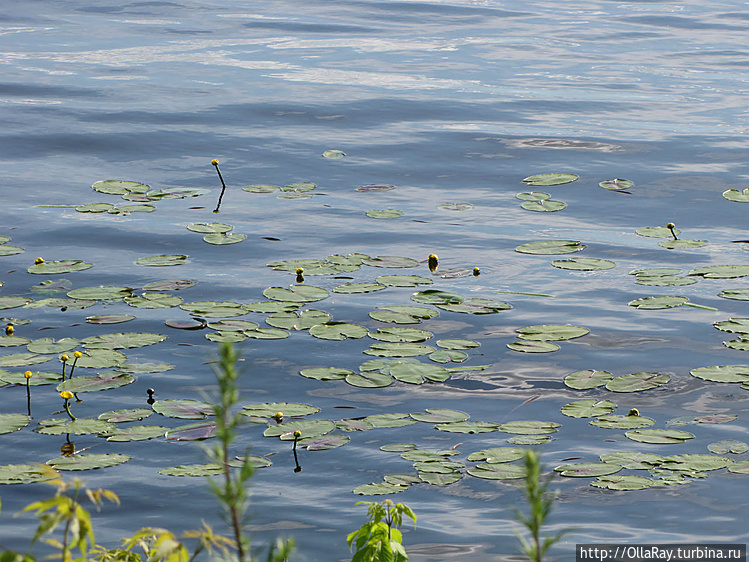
(380, 539)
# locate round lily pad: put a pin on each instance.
(354, 288)
(378, 187)
(497, 455)
(324, 442)
(162, 260)
(735, 294)
(102, 381)
(101, 359)
(400, 335)
(122, 340)
(109, 318)
(153, 300)
(103, 293)
(6, 250)
(475, 306)
(551, 247)
(529, 427)
(262, 188)
(303, 320)
(384, 213)
(25, 473)
(128, 415)
(657, 232)
(584, 380)
(682, 244)
(584, 264)
(219, 239)
(24, 359)
(390, 262)
(722, 373)
(390, 420)
(659, 436)
(333, 154)
(338, 331)
(309, 428)
(193, 432)
(379, 489)
(455, 206)
(360, 424)
(80, 426)
(588, 408)
(623, 482)
(13, 341)
(169, 285)
(736, 195)
(728, 446)
(119, 187)
(467, 427)
(613, 421)
(695, 462)
(721, 271)
(530, 346)
(13, 302)
(549, 179)
(369, 380)
(616, 184)
(435, 296)
(448, 356)
(633, 460)
(288, 409)
(497, 471)
(657, 303)
(636, 382)
(57, 267)
(185, 409)
(587, 469)
(544, 206)
(440, 415)
(399, 349)
(402, 281)
(88, 462)
(296, 293)
(50, 345)
(551, 332)
(403, 314)
(325, 373)
(135, 433)
(13, 422)
(215, 309)
(210, 228)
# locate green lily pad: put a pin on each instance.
(299, 187)
(728, 446)
(288, 409)
(88, 462)
(13, 302)
(588, 408)
(441, 415)
(101, 359)
(210, 228)
(102, 381)
(455, 206)
(171, 193)
(333, 154)
(309, 428)
(122, 340)
(80, 426)
(467, 427)
(50, 345)
(682, 244)
(13, 422)
(57, 267)
(658, 436)
(384, 213)
(623, 482)
(584, 380)
(735, 294)
(226, 337)
(533, 196)
(153, 300)
(428, 455)
(402, 281)
(109, 318)
(369, 380)
(448, 356)
(400, 335)
(544, 206)
(218, 239)
(195, 470)
(359, 424)
(664, 281)
(551, 247)
(267, 334)
(215, 309)
(62, 304)
(379, 489)
(475, 306)
(303, 320)
(96, 208)
(695, 462)
(736, 195)
(134, 368)
(733, 325)
(233, 325)
(13, 341)
(355, 288)
(399, 349)
(296, 293)
(616, 184)
(551, 332)
(739, 467)
(120, 187)
(390, 262)
(657, 303)
(439, 479)
(497, 455)
(722, 373)
(633, 460)
(193, 431)
(636, 382)
(162, 260)
(656, 232)
(529, 427)
(169, 285)
(399, 448)
(262, 188)
(741, 344)
(587, 469)
(435, 296)
(584, 264)
(338, 331)
(185, 409)
(325, 373)
(613, 421)
(324, 442)
(25, 473)
(135, 433)
(6, 250)
(550, 179)
(22, 359)
(417, 373)
(438, 467)
(457, 343)
(721, 271)
(130, 415)
(497, 471)
(530, 346)
(530, 439)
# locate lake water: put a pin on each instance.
(450, 102)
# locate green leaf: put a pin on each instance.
(384, 213)
(413, 335)
(333, 154)
(551, 247)
(390, 262)
(545, 206)
(728, 446)
(193, 431)
(354, 288)
(57, 267)
(402, 281)
(80, 426)
(309, 428)
(695, 462)
(49, 345)
(533, 196)
(636, 382)
(497, 455)
(324, 442)
(584, 380)
(101, 359)
(338, 331)
(359, 424)
(475, 306)
(455, 206)
(215, 309)
(733, 325)
(88, 462)
(633, 460)
(109, 318)
(379, 489)
(119, 187)
(530, 346)
(623, 482)
(262, 188)
(497, 471)
(448, 356)
(736, 195)
(24, 474)
(588, 408)
(682, 244)
(135, 433)
(325, 373)
(658, 436)
(303, 320)
(162, 260)
(622, 422)
(722, 373)
(467, 427)
(185, 409)
(656, 232)
(657, 303)
(218, 239)
(13, 302)
(458, 343)
(587, 469)
(721, 271)
(22, 359)
(399, 349)
(296, 293)
(119, 416)
(435, 296)
(550, 179)
(584, 264)
(13, 341)
(529, 427)
(288, 409)
(390, 420)
(436, 479)
(122, 340)
(735, 294)
(13, 422)
(441, 415)
(378, 187)
(210, 228)
(369, 380)
(102, 381)
(617, 184)
(551, 332)
(153, 300)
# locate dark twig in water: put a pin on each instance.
(223, 185)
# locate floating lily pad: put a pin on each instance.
(354, 288)
(657, 303)
(303, 320)
(378, 187)
(299, 187)
(122, 340)
(288, 409)
(467, 427)
(402, 281)
(497, 471)
(102, 381)
(338, 331)
(57, 267)
(448, 356)
(475, 306)
(37, 378)
(545, 206)
(153, 300)
(101, 359)
(588, 408)
(120, 187)
(741, 344)
(497, 455)
(13, 302)
(551, 332)
(550, 179)
(441, 415)
(435, 296)
(428, 455)
(735, 294)
(736, 195)
(455, 206)
(324, 442)
(130, 415)
(13, 341)
(218, 239)
(530, 439)
(529, 427)
(162, 260)
(201, 470)
(25, 473)
(616, 184)
(96, 208)
(169, 285)
(587, 469)
(530, 346)
(623, 482)
(369, 380)
(733, 325)
(659, 436)
(226, 337)
(333, 154)
(728, 446)
(210, 228)
(739, 467)
(267, 334)
(325, 373)
(135, 433)
(390, 420)
(296, 293)
(360, 424)
(636, 382)
(664, 281)
(399, 349)
(721, 271)
(399, 448)
(613, 421)
(695, 462)
(390, 262)
(379, 489)
(533, 196)
(6, 250)
(551, 247)
(657, 232)
(438, 479)
(23, 359)
(403, 314)
(584, 264)
(309, 428)
(682, 244)
(80, 426)
(584, 380)
(109, 318)
(633, 460)
(384, 213)
(262, 188)
(185, 409)
(50, 345)
(13, 422)
(215, 309)
(88, 462)
(193, 431)
(400, 335)
(134, 368)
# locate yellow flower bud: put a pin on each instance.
(634, 412)
(37, 261)
(433, 262)
(278, 416)
(297, 434)
(66, 394)
(64, 357)
(77, 354)
(28, 374)
(476, 272)
(9, 329)
(214, 162)
(670, 226)
(299, 270)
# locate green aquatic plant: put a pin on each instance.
(540, 504)
(380, 538)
